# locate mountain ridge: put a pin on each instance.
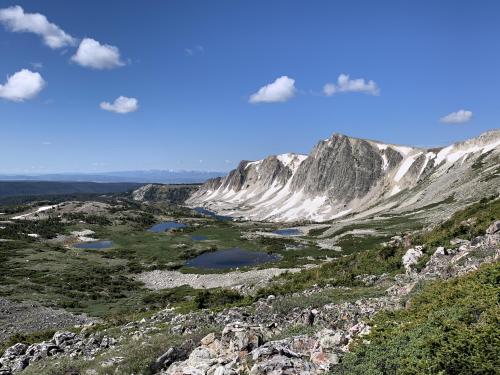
(344, 175)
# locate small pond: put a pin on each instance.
(95, 245)
(166, 225)
(288, 232)
(196, 237)
(204, 211)
(231, 258)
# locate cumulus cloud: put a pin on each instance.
(92, 54)
(22, 85)
(121, 105)
(16, 20)
(457, 117)
(345, 84)
(281, 90)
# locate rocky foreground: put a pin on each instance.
(257, 340)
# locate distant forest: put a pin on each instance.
(38, 188)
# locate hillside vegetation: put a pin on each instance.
(466, 224)
(450, 327)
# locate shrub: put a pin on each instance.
(481, 213)
(451, 327)
(217, 298)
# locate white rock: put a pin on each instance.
(411, 258)
(440, 251)
(493, 228)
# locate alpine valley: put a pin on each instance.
(360, 258)
(133, 240)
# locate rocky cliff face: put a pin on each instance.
(344, 175)
(343, 168)
(166, 193)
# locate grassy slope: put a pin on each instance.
(376, 259)
(450, 327)
(95, 281)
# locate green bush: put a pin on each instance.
(46, 228)
(480, 216)
(317, 231)
(165, 297)
(217, 298)
(275, 243)
(339, 272)
(451, 327)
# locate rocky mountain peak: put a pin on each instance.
(346, 175)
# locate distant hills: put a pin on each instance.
(144, 176)
(57, 188)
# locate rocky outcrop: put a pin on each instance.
(19, 356)
(164, 193)
(349, 176)
(342, 168)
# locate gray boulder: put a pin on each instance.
(493, 228)
(173, 354)
(15, 350)
(63, 338)
(241, 336)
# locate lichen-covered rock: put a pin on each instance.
(173, 354)
(15, 350)
(493, 228)
(63, 338)
(330, 339)
(240, 336)
(324, 360)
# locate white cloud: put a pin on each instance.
(121, 105)
(329, 89)
(92, 54)
(457, 117)
(280, 90)
(345, 84)
(194, 51)
(14, 19)
(22, 85)
(37, 65)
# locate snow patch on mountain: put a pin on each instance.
(405, 166)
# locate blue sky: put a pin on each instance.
(193, 67)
